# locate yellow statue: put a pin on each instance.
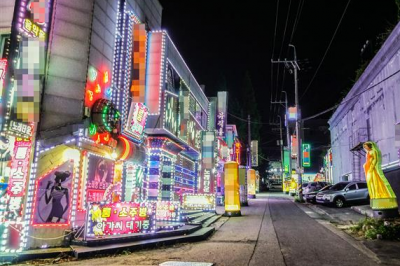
(380, 191)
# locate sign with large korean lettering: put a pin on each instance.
(198, 202)
(18, 175)
(222, 107)
(137, 121)
(119, 218)
(34, 18)
(168, 211)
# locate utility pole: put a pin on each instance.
(295, 67)
(285, 104)
(281, 145)
(249, 143)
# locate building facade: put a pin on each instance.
(370, 111)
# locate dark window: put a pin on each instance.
(362, 185)
(352, 187)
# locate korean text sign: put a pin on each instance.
(120, 218)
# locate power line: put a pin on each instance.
(355, 96)
(273, 53)
(327, 49)
(245, 120)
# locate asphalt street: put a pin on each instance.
(273, 230)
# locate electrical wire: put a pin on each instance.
(273, 54)
(353, 97)
(245, 120)
(326, 51)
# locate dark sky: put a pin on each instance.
(218, 37)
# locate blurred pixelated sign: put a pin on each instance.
(34, 19)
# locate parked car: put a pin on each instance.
(314, 186)
(311, 196)
(344, 192)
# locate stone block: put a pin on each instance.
(100, 13)
(67, 88)
(74, 16)
(72, 31)
(68, 48)
(98, 27)
(97, 42)
(86, 5)
(60, 66)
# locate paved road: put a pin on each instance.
(272, 231)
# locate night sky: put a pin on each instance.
(227, 38)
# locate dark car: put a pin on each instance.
(311, 196)
(314, 186)
(344, 192)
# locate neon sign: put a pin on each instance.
(306, 155)
(198, 202)
(119, 218)
(137, 123)
(168, 211)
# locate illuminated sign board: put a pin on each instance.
(100, 176)
(168, 211)
(294, 146)
(222, 107)
(10, 239)
(292, 113)
(137, 122)
(251, 183)
(286, 160)
(232, 188)
(254, 152)
(306, 155)
(138, 87)
(198, 202)
(120, 218)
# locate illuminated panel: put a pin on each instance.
(168, 211)
(251, 183)
(137, 121)
(232, 196)
(12, 238)
(294, 146)
(120, 218)
(198, 202)
(34, 18)
(254, 152)
(139, 63)
(53, 199)
(155, 70)
(207, 157)
(292, 113)
(306, 155)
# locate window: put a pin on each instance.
(352, 187)
(362, 185)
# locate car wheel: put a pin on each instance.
(339, 202)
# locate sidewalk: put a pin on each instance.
(343, 219)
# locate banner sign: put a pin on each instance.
(168, 211)
(207, 163)
(254, 152)
(198, 202)
(306, 155)
(120, 218)
(222, 108)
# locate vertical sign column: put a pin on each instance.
(222, 108)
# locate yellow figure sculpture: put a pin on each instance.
(380, 192)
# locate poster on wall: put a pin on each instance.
(119, 218)
(53, 196)
(100, 177)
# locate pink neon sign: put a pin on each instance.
(138, 120)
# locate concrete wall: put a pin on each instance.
(6, 15)
(371, 111)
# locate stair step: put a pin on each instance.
(192, 216)
(211, 220)
(202, 218)
(198, 235)
(184, 230)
